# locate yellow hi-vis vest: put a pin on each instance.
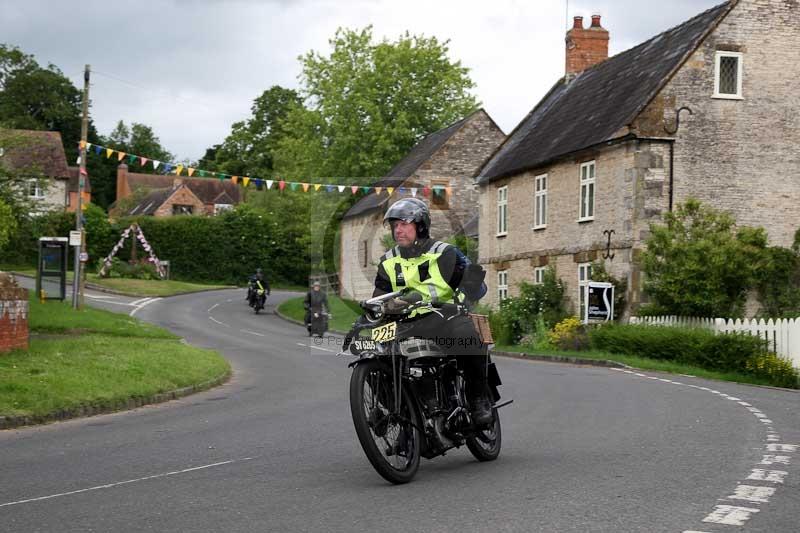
(420, 274)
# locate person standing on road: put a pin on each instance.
(315, 304)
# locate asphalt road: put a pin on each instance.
(585, 449)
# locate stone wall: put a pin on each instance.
(183, 196)
(13, 315)
(740, 155)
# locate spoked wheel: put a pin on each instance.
(389, 439)
(485, 444)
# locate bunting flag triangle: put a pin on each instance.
(142, 160)
(390, 190)
(293, 185)
(82, 144)
(281, 185)
(98, 149)
(317, 186)
(414, 192)
(354, 188)
(234, 179)
(305, 187)
(109, 151)
(341, 188)
(365, 189)
(401, 190)
(378, 190)
(259, 183)
(449, 190)
(155, 164)
(178, 170)
(167, 168)
(201, 173)
(269, 184)
(330, 188)
(426, 191)
(245, 181)
(131, 159)
(120, 155)
(191, 171)
(221, 176)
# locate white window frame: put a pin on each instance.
(502, 211)
(588, 183)
(219, 208)
(540, 201)
(584, 277)
(739, 70)
(502, 285)
(538, 275)
(38, 191)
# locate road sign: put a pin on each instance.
(84, 257)
(74, 238)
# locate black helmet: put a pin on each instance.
(259, 271)
(411, 210)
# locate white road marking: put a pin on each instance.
(773, 459)
(137, 302)
(98, 297)
(315, 347)
(110, 485)
(745, 404)
(773, 476)
(252, 332)
(773, 438)
(145, 302)
(211, 318)
(752, 494)
(790, 448)
(730, 515)
(212, 307)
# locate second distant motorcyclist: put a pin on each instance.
(256, 282)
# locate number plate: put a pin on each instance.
(364, 345)
(385, 333)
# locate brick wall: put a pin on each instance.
(182, 196)
(13, 315)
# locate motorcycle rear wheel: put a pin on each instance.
(391, 445)
(485, 444)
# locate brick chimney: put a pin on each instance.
(585, 47)
(123, 189)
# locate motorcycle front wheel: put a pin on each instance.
(485, 444)
(388, 437)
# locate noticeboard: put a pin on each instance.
(599, 302)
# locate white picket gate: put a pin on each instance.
(782, 335)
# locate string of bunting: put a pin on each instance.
(281, 185)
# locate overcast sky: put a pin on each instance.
(190, 68)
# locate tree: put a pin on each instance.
(7, 223)
(698, 264)
(250, 147)
(367, 104)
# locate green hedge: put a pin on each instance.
(698, 347)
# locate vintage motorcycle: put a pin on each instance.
(407, 397)
(259, 299)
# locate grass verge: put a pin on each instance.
(97, 359)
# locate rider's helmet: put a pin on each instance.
(411, 210)
(259, 273)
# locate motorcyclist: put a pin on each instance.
(435, 270)
(256, 282)
(315, 304)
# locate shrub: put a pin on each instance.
(664, 343)
(569, 334)
(142, 269)
(778, 370)
(539, 337)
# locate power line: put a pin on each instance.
(158, 91)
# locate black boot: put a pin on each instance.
(481, 407)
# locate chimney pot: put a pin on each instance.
(578, 22)
(596, 21)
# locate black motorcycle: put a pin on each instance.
(259, 299)
(407, 397)
(318, 322)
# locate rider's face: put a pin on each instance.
(405, 233)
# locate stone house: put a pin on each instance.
(608, 149)
(163, 195)
(40, 154)
(440, 170)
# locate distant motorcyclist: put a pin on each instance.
(256, 282)
(315, 304)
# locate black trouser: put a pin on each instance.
(456, 337)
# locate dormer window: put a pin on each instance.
(728, 75)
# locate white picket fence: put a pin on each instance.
(782, 335)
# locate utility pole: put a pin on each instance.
(77, 281)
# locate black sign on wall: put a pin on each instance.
(599, 302)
